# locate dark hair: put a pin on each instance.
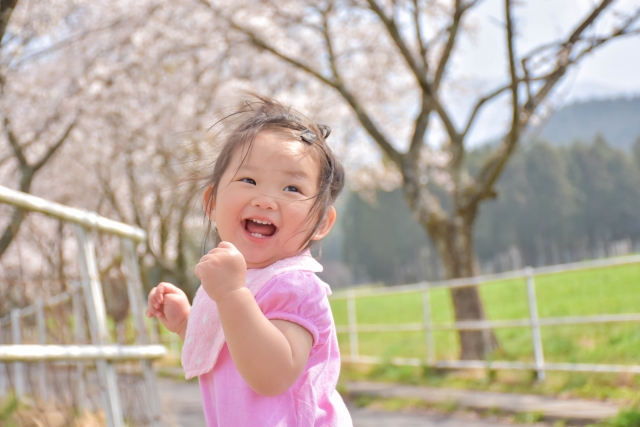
(260, 114)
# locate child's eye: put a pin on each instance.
(291, 188)
(248, 181)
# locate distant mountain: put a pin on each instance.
(618, 120)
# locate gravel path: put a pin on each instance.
(182, 408)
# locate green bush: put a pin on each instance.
(626, 418)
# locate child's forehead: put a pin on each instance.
(278, 153)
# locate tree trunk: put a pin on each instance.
(453, 239)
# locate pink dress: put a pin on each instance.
(287, 290)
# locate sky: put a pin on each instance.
(612, 71)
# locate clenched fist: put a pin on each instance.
(222, 271)
(169, 304)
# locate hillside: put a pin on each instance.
(618, 120)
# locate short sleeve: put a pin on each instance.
(301, 298)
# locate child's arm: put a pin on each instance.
(169, 304)
(270, 355)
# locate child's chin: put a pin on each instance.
(257, 259)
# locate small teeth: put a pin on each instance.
(258, 235)
(260, 222)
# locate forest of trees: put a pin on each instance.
(554, 205)
(616, 119)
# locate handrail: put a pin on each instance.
(85, 218)
(102, 354)
(49, 353)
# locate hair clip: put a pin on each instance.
(308, 136)
(326, 131)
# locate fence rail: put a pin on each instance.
(49, 353)
(533, 321)
(89, 220)
(87, 300)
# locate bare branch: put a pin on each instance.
(575, 36)
(355, 104)
(327, 39)
(459, 9)
(419, 35)
(110, 195)
(494, 166)
(335, 83)
(420, 129)
(453, 29)
(480, 104)
(563, 61)
(419, 69)
(15, 144)
(514, 134)
(51, 150)
(28, 172)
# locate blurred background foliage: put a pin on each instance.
(557, 203)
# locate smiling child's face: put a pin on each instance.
(263, 201)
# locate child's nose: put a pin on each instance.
(264, 201)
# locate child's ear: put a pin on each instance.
(327, 224)
(209, 203)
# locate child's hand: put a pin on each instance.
(169, 304)
(222, 271)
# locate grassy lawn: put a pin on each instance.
(612, 290)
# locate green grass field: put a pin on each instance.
(612, 290)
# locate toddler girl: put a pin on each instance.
(260, 334)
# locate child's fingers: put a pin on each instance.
(155, 298)
(168, 288)
(226, 245)
(151, 298)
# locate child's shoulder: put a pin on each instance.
(300, 297)
(300, 283)
(295, 290)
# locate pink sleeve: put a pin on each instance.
(298, 297)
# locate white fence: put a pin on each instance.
(86, 298)
(534, 322)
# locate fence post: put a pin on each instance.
(18, 367)
(428, 326)
(153, 328)
(535, 324)
(173, 345)
(42, 340)
(97, 315)
(137, 305)
(80, 333)
(353, 327)
(3, 369)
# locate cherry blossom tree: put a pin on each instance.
(390, 63)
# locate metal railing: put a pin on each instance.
(534, 322)
(86, 297)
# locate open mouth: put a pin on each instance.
(260, 229)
